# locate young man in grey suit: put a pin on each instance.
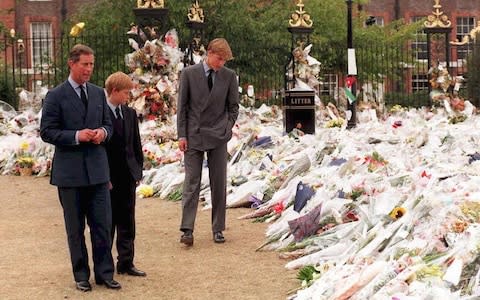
(207, 109)
(75, 118)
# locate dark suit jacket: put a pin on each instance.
(133, 145)
(206, 117)
(63, 113)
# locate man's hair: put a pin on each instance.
(78, 50)
(119, 81)
(220, 46)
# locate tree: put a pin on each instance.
(473, 76)
(257, 32)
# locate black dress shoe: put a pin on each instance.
(187, 238)
(218, 237)
(83, 286)
(131, 271)
(109, 283)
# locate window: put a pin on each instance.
(464, 26)
(373, 20)
(379, 21)
(419, 82)
(42, 44)
(329, 85)
(419, 45)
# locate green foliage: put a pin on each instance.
(473, 76)
(105, 25)
(3, 28)
(103, 16)
(7, 92)
(307, 274)
(257, 32)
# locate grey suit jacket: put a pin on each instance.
(63, 114)
(205, 118)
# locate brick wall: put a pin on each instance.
(51, 11)
(7, 17)
(409, 8)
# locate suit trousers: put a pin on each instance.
(217, 169)
(123, 218)
(93, 203)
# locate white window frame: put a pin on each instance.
(419, 82)
(379, 21)
(329, 84)
(41, 40)
(419, 45)
(464, 26)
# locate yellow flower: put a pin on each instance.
(397, 213)
(77, 29)
(25, 161)
(397, 108)
(138, 71)
(334, 123)
(145, 191)
(24, 146)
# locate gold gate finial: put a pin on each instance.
(437, 18)
(150, 3)
(195, 13)
(300, 18)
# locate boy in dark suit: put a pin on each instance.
(125, 159)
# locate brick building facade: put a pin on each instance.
(36, 22)
(462, 14)
(464, 17)
(7, 14)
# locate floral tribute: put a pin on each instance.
(24, 161)
(24, 157)
(445, 93)
(375, 161)
(155, 67)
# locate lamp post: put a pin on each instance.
(12, 39)
(352, 68)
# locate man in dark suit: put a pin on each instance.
(75, 118)
(206, 112)
(125, 158)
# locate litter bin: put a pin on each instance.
(299, 108)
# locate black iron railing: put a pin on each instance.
(393, 75)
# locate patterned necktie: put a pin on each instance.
(117, 112)
(118, 122)
(83, 96)
(210, 79)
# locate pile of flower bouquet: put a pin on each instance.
(154, 67)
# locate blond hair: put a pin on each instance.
(119, 81)
(221, 47)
